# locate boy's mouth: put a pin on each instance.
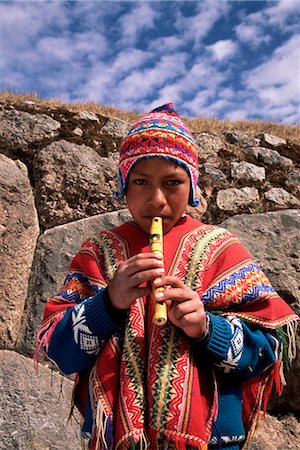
(156, 215)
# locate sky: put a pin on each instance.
(212, 58)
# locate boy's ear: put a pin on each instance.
(197, 211)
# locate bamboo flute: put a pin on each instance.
(156, 245)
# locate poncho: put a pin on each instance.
(147, 386)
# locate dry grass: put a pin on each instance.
(215, 126)
(107, 110)
(252, 127)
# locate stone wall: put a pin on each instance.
(57, 172)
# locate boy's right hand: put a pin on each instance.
(125, 286)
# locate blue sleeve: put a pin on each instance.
(235, 348)
(76, 340)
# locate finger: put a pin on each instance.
(173, 294)
(135, 265)
(184, 308)
(140, 292)
(145, 276)
(147, 255)
(180, 295)
(171, 281)
(138, 259)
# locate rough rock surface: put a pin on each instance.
(293, 182)
(272, 141)
(72, 182)
(242, 139)
(209, 147)
(247, 171)
(268, 156)
(274, 433)
(18, 234)
(65, 163)
(21, 130)
(235, 200)
(281, 198)
(34, 408)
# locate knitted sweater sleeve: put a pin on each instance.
(237, 349)
(77, 338)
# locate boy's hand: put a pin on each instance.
(185, 309)
(125, 286)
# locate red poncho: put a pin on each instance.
(151, 388)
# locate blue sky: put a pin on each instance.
(212, 58)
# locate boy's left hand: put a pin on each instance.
(185, 308)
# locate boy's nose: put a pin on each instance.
(157, 198)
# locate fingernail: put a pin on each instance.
(156, 281)
(159, 295)
(160, 270)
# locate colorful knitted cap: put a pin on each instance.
(161, 133)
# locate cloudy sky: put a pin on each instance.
(212, 58)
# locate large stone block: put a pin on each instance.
(34, 409)
(246, 171)
(209, 145)
(234, 200)
(72, 182)
(19, 230)
(281, 199)
(20, 131)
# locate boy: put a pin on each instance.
(199, 381)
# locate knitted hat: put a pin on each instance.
(161, 133)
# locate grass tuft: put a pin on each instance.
(197, 124)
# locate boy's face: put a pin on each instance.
(157, 187)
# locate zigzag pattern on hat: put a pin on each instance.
(160, 133)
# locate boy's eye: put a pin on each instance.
(139, 181)
(173, 182)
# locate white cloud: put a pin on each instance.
(237, 114)
(72, 47)
(29, 18)
(145, 82)
(130, 59)
(141, 17)
(39, 50)
(104, 82)
(198, 88)
(281, 12)
(223, 49)
(56, 48)
(277, 79)
(275, 84)
(127, 83)
(168, 93)
(197, 27)
(257, 28)
(228, 92)
(252, 34)
(207, 105)
(166, 44)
